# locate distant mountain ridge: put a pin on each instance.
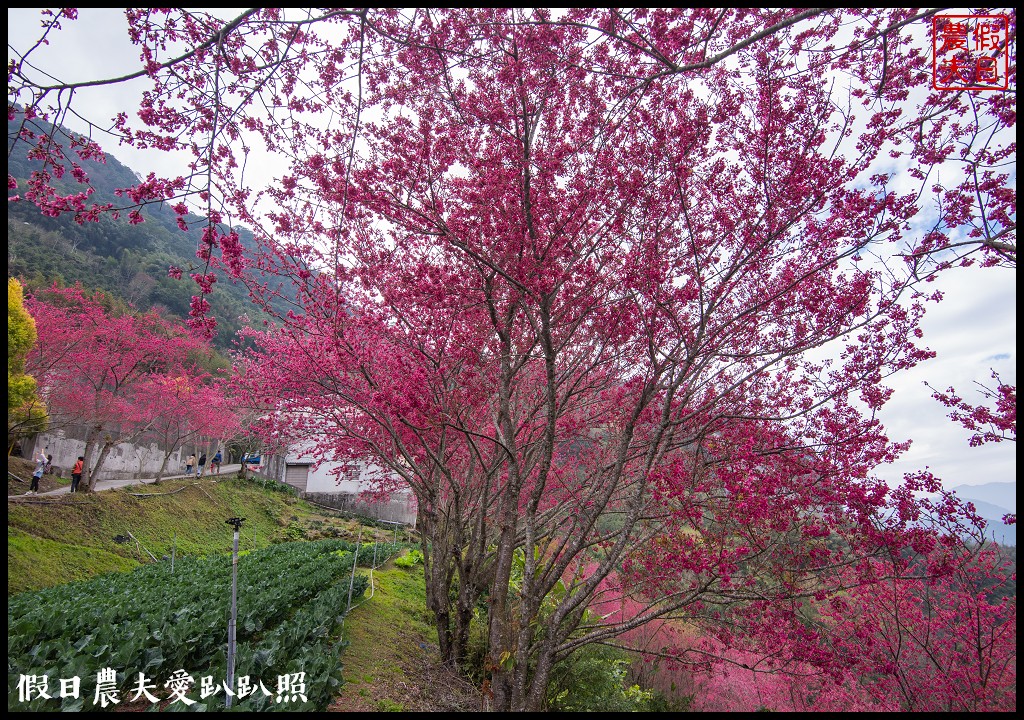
(127, 261)
(992, 501)
(1003, 494)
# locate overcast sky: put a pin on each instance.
(973, 330)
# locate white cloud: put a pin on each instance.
(973, 331)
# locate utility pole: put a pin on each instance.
(235, 522)
(355, 561)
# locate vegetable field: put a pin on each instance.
(291, 600)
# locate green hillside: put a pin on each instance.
(128, 261)
(56, 540)
(389, 658)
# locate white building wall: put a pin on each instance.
(346, 481)
(125, 460)
(354, 478)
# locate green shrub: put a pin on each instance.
(593, 679)
(413, 557)
(268, 483)
(385, 705)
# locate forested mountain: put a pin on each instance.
(125, 260)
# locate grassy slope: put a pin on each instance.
(23, 468)
(392, 663)
(51, 541)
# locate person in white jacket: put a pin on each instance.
(41, 460)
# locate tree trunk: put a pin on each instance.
(104, 451)
(163, 467)
(88, 472)
(535, 699)
(437, 574)
(463, 619)
(501, 653)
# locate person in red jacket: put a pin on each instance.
(76, 473)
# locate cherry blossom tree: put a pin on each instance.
(191, 409)
(245, 439)
(943, 645)
(942, 641)
(103, 369)
(993, 423)
(615, 292)
(267, 75)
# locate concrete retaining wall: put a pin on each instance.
(124, 461)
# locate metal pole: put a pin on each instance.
(141, 546)
(237, 523)
(355, 560)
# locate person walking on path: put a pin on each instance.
(190, 463)
(76, 473)
(100, 485)
(215, 463)
(202, 464)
